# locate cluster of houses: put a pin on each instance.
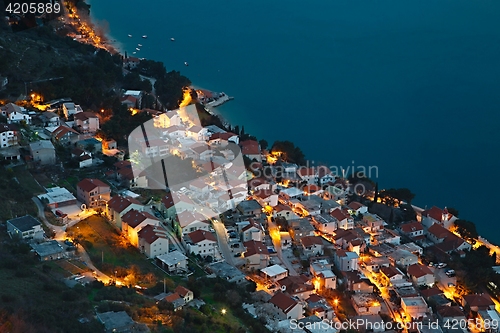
(61, 123)
(342, 243)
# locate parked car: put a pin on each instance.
(431, 264)
(237, 254)
(441, 265)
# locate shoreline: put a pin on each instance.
(210, 109)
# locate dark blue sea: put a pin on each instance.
(412, 87)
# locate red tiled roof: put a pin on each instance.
(182, 291)
(436, 213)
(411, 227)
(296, 284)
(419, 270)
(479, 300)
(185, 218)
(134, 217)
(195, 129)
(250, 147)
(223, 136)
(281, 207)
(283, 302)
(129, 98)
(439, 231)
(340, 253)
(85, 115)
(263, 194)
(255, 247)
(210, 166)
(151, 233)
(314, 298)
(254, 182)
(426, 293)
(61, 131)
(311, 240)
(252, 224)
(389, 271)
(172, 297)
(311, 188)
(338, 214)
(303, 171)
(356, 205)
(450, 311)
(119, 203)
(88, 184)
(201, 235)
(168, 200)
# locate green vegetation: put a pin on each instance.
(101, 240)
(289, 151)
(18, 202)
(121, 124)
(32, 300)
(466, 229)
(478, 267)
(394, 196)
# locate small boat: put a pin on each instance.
(172, 39)
(139, 45)
(130, 36)
(186, 63)
(134, 52)
(138, 49)
(145, 36)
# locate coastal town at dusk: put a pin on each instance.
(130, 203)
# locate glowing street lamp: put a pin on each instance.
(223, 311)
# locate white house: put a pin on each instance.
(187, 222)
(201, 242)
(415, 307)
(421, 275)
(8, 135)
(437, 215)
(287, 307)
(323, 274)
(153, 241)
(252, 231)
(133, 221)
(345, 260)
(71, 108)
(86, 122)
(345, 221)
(25, 227)
(15, 113)
(118, 206)
(164, 120)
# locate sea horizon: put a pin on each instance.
(399, 86)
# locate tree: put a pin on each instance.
(263, 144)
(466, 229)
(289, 152)
(453, 211)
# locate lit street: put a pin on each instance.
(221, 232)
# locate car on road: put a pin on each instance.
(235, 245)
(431, 264)
(451, 285)
(450, 273)
(441, 265)
(211, 229)
(237, 254)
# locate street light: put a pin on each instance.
(223, 311)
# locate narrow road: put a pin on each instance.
(60, 234)
(273, 229)
(221, 232)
